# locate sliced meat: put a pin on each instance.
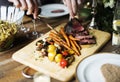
(73, 25)
(75, 28)
(77, 25)
(87, 41)
(57, 11)
(84, 37)
(78, 28)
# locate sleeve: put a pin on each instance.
(5, 3)
(43, 2)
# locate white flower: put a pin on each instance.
(110, 3)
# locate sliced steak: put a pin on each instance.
(84, 37)
(75, 28)
(87, 41)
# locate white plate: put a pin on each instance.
(89, 70)
(46, 10)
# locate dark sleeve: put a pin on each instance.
(5, 2)
(49, 1)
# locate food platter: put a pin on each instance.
(89, 70)
(26, 57)
(48, 11)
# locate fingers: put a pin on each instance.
(32, 8)
(69, 5)
(72, 6)
(64, 1)
(79, 2)
(23, 4)
(30, 5)
(35, 13)
(15, 2)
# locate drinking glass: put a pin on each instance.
(93, 24)
(34, 34)
(116, 28)
(23, 28)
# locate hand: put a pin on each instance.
(73, 6)
(30, 5)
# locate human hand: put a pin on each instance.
(73, 6)
(30, 5)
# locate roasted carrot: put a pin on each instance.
(53, 34)
(76, 44)
(57, 39)
(64, 35)
(61, 42)
(74, 47)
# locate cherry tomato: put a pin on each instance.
(63, 63)
(64, 53)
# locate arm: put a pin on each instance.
(73, 6)
(30, 5)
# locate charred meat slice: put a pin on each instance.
(77, 25)
(75, 28)
(84, 37)
(87, 41)
(73, 25)
(57, 11)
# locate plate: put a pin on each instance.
(89, 70)
(48, 11)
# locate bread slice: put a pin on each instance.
(111, 72)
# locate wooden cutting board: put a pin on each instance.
(26, 57)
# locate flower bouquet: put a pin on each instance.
(104, 13)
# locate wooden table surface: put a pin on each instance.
(10, 70)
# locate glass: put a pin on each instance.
(93, 24)
(87, 12)
(23, 28)
(116, 42)
(34, 33)
(84, 12)
(116, 28)
(116, 19)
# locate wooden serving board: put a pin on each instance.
(26, 57)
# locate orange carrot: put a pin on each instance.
(64, 35)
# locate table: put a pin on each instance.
(10, 70)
